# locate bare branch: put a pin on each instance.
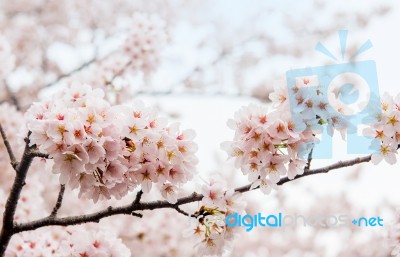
(35, 153)
(139, 215)
(309, 159)
(183, 212)
(8, 228)
(14, 162)
(58, 204)
(335, 166)
(138, 197)
(110, 211)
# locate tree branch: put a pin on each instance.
(35, 153)
(139, 206)
(309, 159)
(14, 162)
(8, 228)
(138, 197)
(81, 67)
(183, 212)
(58, 204)
(338, 165)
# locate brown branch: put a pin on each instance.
(58, 204)
(139, 206)
(8, 228)
(138, 197)
(309, 159)
(326, 169)
(337, 165)
(35, 153)
(110, 211)
(183, 212)
(14, 162)
(139, 215)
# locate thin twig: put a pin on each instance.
(119, 73)
(14, 162)
(326, 169)
(138, 197)
(183, 212)
(309, 159)
(139, 215)
(337, 165)
(58, 204)
(81, 67)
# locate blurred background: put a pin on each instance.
(199, 62)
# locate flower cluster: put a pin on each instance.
(268, 145)
(271, 144)
(385, 128)
(145, 41)
(74, 242)
(209, 230)
(109, 150)
(316, 109)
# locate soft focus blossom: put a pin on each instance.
(145, 41)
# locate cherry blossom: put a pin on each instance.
(266, 146)
(85, 64)
(109, 150)
(212, 235)
(145, 41)
(77, 241)
(385, 130)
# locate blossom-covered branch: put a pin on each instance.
(138, 206)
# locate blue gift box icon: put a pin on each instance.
(352, 91)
